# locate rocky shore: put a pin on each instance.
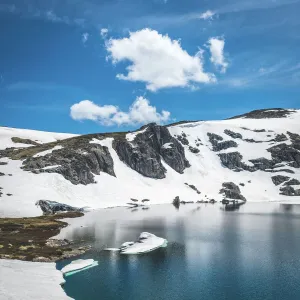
(30, 238)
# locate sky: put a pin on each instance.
(114, 65)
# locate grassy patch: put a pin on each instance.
(25, 238)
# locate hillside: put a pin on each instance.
(255, 156)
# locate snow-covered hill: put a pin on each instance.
(254, 156)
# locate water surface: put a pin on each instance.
(250, 253)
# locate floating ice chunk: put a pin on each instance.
(147, 242)
(78, 265)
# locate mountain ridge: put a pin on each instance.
(154, 162)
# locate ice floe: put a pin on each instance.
(78, 265)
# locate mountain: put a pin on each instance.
(252, 157)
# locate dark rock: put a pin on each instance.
(182, 139)
(212, 201)
(2, 174)
(278, 179)
(194, 150)
(9, 174)
(289, 191)
(9, 194)
(266, 114)
(52, 207)
(218, 146)
(242, 184)
(176, 202)
(252, 141)
(286, 153)
(24, 141)
(234, 135)
(232, 191)
(144, 153)
(292, 182)
(77, 163)
(134, 200)
(279, 138)
(145, 200)
(186, 202)
(233, 161)
(2, 163)
(193, 188)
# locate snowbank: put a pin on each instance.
(30, 280)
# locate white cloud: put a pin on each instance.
(157, 60)
(104, 32)
(85, 37)
(140, 112)
(216, 47)
(208, 15)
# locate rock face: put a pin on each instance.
(266, 113)
(51, 207)
(233, 134)
(217, 145)
(278, 179)
(77, 163)
(289, 191)
(232, 191)
(144, 153)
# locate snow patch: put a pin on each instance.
(43, 153)
(30, 280)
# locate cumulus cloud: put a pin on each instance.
(216, 47)
(140, 112)
(85, 37)
(157, 60)
(208, 15)
(103, 32)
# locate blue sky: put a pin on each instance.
(93, 66)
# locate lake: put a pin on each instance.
(249, 253)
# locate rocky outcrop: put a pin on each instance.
(232, 191)
(266, 114)
(51, 207)
(24, 141)
(182, 139)
(176, 202)
(217, 145)
(76, 163)
(194, 149)
(293, 181)
(289, 191)
(234, 135)
(278, 179)
(233, 161)
(286, 153)
(193, 188)
(144, 153)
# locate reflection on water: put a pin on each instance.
(214, 252)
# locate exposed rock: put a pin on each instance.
(286, 153)
(279, 138)
(52, 207)
(289, 191)
(24, 141)
(57, 242)
(144, 153)
(134, 200)
(266, 113)
(242, 184)
(2, 174)
(232, 191)
(145, 200)
(218, 146)
(292, 182)
(176, 202)
(2, 163)
(252, 141)
(278, 179)
(182, 139)
(193, 188)
(9, 194)
(233, 161)
(233, 134)
(194, 150)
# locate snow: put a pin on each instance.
(167, 146)
(43, 153)
(147, 242)
(78, 264)
(7, 133)
(30, 280)
(131, 136)
(206, 171)
(51, 167)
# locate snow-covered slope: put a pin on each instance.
(51, 176)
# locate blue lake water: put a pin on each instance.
(250, 253)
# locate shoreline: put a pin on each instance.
(33, 239)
